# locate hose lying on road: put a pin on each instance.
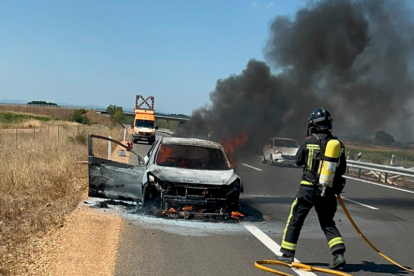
(305, 267)
(260, 264)
(366, 240)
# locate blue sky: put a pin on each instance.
(105, 52)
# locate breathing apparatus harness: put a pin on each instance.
(324, 162)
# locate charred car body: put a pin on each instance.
(176, 173)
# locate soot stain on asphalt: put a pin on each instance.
(152, 218)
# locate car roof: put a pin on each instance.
(190, 142)
(280, 138)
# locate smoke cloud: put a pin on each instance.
(354, 58)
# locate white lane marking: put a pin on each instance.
(373, 183)
(356, 202)
(273, 246)
(252, 167)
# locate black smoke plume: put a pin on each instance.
(354, 58)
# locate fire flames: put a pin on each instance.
(230, 145)
(172, 210)
(236, 215)
(163, 154)
(188, 208)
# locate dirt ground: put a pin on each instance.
(85, 245)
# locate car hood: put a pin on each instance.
(287, 151)
(207, 177)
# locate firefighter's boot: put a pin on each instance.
(338, 261)
(285, 258)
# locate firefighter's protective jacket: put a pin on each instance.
(310, 152)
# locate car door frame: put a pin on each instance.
(113, 179)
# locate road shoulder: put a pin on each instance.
(86, 245)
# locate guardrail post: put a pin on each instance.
(347, 170)
(17, 130)
(58, 133)
(109, 148)
(379, 176)
(359, 173)
(386, 178)
(124, 134)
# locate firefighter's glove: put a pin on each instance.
(338, 185)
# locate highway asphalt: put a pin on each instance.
(155, 246)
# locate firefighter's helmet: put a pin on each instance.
(320, 120)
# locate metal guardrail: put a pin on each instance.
(379, 168)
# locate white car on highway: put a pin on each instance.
(280, 150)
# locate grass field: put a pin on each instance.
(41, 184)
(61, 114)
(381, 154)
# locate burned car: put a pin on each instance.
(177, 174)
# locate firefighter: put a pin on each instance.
(310, 191)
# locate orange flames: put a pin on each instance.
(172, 210)
(188, 208)
(230, 145)
(201, 211)
(236, 215)
(163, 154)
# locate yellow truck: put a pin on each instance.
(144, 121)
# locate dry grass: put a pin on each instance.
(57, 113)
(24, 124)
(40, 185)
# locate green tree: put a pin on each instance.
(383, 137)
(118, 115)
(113, 108)
(116, 112)
(79, 116)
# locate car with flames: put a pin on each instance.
(280, 151)
(176, 173)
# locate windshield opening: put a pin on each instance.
(144, 123)
(192, 157)
(285, 143)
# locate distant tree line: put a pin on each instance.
(383, 137)
(173, 115)
(42, 103)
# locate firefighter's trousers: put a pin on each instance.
(325, 207)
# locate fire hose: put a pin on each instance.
(305, 267)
